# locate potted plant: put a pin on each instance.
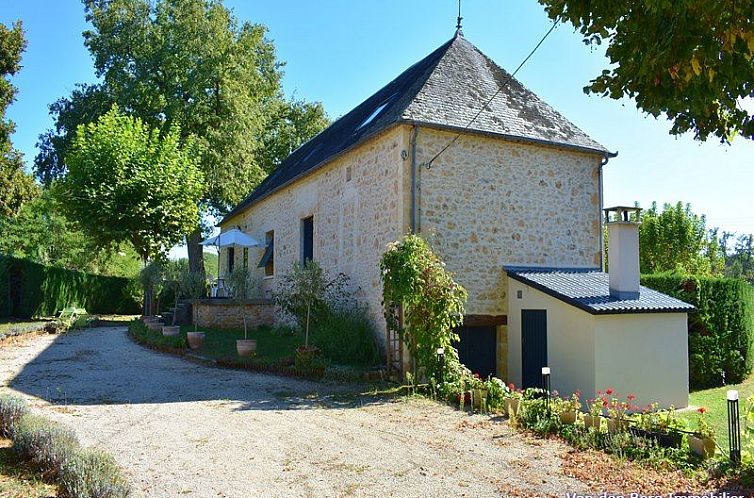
(703, 441)
(239, 285)
(568, 408)
(660, 426)
(512, 399)
(479, 391)
(616, 411)
(192, 285)
(306, 294)
(594, 417)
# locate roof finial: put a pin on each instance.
(459, 31)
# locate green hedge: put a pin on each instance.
(29, 289)
(720, 331)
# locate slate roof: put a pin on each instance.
(588, 289)
(445, 89)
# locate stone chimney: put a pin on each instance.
(623, 251)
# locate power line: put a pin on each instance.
(502, 86)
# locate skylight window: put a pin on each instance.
(376, 112)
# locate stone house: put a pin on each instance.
(515, 186)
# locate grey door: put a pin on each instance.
(533, 346)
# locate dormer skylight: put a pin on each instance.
(376, 112)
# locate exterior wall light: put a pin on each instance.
(546, 385)
(734, 427)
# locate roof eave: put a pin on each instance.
(577, 304)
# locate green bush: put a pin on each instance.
(155, 339)
(12, 408)
(29, 289)
(720, 331)
(92, 474)
(45, 443)
(347, 337)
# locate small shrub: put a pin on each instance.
(92, 474)
(45, 443)
(12, 408)
(347, 337)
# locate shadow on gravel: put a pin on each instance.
(104, 367)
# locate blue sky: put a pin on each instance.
(339, 52)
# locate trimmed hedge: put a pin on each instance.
(721, 339)
(29, 289)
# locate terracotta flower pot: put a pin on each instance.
(155, 326)
(614, 425)
(246, 347)
(171, 330)
(702, 446)
(592, 421)
(511, 405)
(195, 339)
(568, 417)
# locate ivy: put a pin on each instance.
(416, 281)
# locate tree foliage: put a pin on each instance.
(187, 63)
(692, 60)
(41, 233)
(415, 279)
(677, 239)
(16, 186)
(126, 182)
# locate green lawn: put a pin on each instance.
(714, 400)
(20, 325)
(273, 343)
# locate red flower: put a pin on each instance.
(604, 402)
(609, 391)
(631, 397)
(701, 409)
(511, 386)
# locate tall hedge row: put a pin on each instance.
(721, 339)
(29, 289)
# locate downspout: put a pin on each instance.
(414, 209)
(605, 159)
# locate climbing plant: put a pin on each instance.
(416, 280)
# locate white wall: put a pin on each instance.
(570, 340)
(644, 354)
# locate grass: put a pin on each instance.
(714, 400)
(18, 479)
(19, 324)
(273, 343)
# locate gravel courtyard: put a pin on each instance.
(183, 429)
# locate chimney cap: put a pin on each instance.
(623, 213)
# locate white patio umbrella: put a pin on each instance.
(232, 237)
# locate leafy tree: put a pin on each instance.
(676, 239)
(187, 63)
(692, 60)
(41, 233)
(16, 186)
(125, 182)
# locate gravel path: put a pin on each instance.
(182, 429)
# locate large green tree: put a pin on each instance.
(16, 186)
(677, 239)
(188, 63)
(692, 60)
(127, 182)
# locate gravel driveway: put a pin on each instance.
(183, 429)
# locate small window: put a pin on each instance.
(231, 258)
(245, 258)
(348, 173)
(377, 111)
(307, 239)
(268, 258)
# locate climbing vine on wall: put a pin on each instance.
(415, 279)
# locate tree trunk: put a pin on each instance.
(195, 252)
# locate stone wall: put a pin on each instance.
(226, 313)
(357, 204)
(487, 202)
